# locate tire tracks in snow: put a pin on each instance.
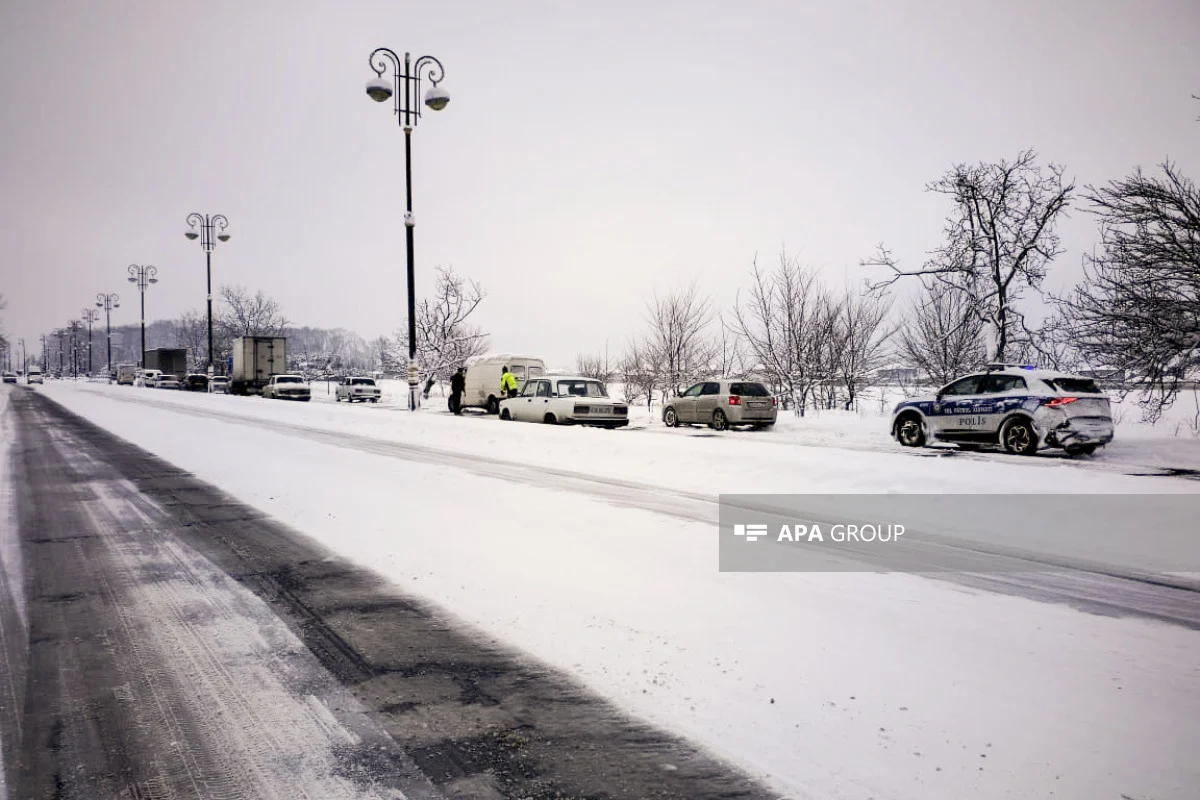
(153, 673)
(1088, 587)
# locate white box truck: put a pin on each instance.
(482, 388)
(255, 360)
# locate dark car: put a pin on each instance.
(196, 383)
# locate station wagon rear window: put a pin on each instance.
(362, 382)
(748, 390)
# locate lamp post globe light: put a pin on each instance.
(89, 316)
(143, 276)
(209, 230)
(405, 87)
(108, 302)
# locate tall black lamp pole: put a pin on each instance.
(405, 86)
(209, 230)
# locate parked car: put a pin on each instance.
(166, 380)
(287, 387)
(10, 377)
(34, 376)
(723, 403)
(126, 375)
(196, 382)
(1020, 408)
(219, 384)
(147, 378)
(482, 381)
(565, 400)
(361, 389)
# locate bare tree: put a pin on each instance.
(785, 323)
(858, 340)
(998, 240)
(678, 343)
(191, 332)
(445, 336)
(943, 337)
(595, 366)
(638, 374)
(1138, 307)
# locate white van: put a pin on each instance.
(482, 387)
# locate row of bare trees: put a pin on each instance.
(812, 345)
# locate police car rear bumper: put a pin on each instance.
(1081, 432)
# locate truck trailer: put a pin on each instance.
(255, 360)
(168, 360)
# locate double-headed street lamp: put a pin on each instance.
(108, 302)
(73, 327)
(143, 276)
(209, 230)
(405, 86)
(89, 316)
(59, 332)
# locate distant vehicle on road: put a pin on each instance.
(1020, 408)
(147, 378)
(196, 382)
(218, 385)
(126, 374)
(10, 377)
(357, 388)
(723, 404)
(287, 387)
(565, 400)
(255, 360)
(168, 381)
(34, 376)
(482, 386)
(168, 360)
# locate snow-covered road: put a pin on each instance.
(827, 685)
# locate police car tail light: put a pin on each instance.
(734, 400)
(1059, 402)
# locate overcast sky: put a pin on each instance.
(592, 153)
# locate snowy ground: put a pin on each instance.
(829, 685)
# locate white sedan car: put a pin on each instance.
(565, 400)
(360, 389)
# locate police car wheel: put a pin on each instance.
(1019, 438)
(909, 431)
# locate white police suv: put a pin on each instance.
(1021, 408)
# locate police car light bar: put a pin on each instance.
(998, 365)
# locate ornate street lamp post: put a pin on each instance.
(108, 302)
(209, 230)
(405, 86)
(143, 276)
(89, 316)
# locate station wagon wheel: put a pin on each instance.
(909, 431)
(719, 421)
(1018, 437)
(670, 418)
(504, 415)
(550, 419)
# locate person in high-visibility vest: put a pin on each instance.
(508, 383)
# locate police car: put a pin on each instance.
(1021, 408)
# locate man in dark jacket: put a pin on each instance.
(458, 382)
